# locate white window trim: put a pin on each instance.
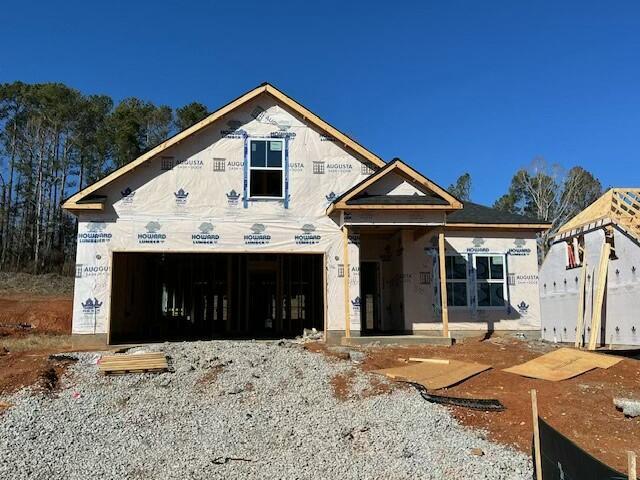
(459, 280)
(250, 168)
(503, 281)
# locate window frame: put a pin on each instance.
(466, 281)
(478, 281)
(281, 168)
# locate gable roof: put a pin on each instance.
(74, 203)
(620, 205)
(437, 199)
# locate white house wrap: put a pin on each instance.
(263, 175)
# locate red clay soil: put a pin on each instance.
(21, 369)
(20, 312)
(581, 408)
(24, 314)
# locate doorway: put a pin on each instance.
(370, 300)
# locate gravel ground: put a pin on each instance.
(237, 410)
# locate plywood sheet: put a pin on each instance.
(562, 364)
(435, 375)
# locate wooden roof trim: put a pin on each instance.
(72, 202)
(320, 123)
(93, 207)
(505, 226)
(409, 174)
(619, 205)
(398, 207)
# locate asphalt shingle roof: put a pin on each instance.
(474, 213)
(397, 200)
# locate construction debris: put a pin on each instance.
(434, 374)
(135, 363)
(629, 406)
(562, 364)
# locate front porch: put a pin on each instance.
(393, 285)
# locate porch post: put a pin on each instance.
(443, 284)
(345, 259)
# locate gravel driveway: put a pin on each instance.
(250, 410)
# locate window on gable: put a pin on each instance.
(456, 268)
(575, 252)
(490, 280)
(266, 161)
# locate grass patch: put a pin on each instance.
(24, 343)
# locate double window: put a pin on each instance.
(266, 169)
(490, 288)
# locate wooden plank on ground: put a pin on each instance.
(435, 375)
(562, 364)
(146, 362)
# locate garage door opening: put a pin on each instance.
(203, 296)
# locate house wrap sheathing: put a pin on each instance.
(263, 219)
(590, 278)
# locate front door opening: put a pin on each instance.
(370, 296)
(191, 296)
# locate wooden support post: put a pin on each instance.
(443, 285)
(596, 319)
(631, 457)
(536, 435)
(347, 300)
(581, 294)
(325, 307)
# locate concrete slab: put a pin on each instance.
(397, 340)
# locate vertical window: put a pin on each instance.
(610, 239)
(266, 160)
(456, 268)
(575, 251)
(490, 280)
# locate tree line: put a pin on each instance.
(542, 191)
(55, 140)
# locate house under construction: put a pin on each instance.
(590, 279)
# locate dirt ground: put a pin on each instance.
(581, 408)
(33, 326)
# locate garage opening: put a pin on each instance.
(203, 296)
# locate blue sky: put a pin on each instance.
(447, 86)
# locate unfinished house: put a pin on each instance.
(590, 279)
(262, 220)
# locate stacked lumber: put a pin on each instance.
(135, 363)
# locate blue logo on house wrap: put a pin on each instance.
(257, 237)
(331, 196)
(152, 234)
(233, 198)
(523, 307)
(356, 303)
(127, 195)
(181, 197)
(205, 236)
(95, 233)
(91, 306)
(519, 250)
(308, 235)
